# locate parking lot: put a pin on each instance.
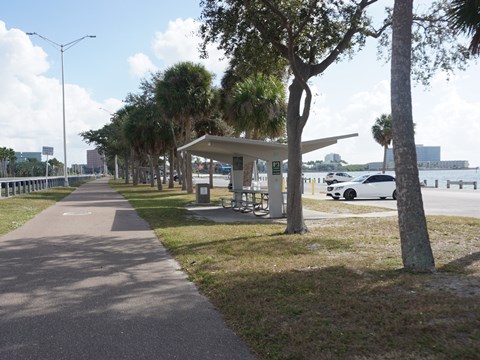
(452, 202)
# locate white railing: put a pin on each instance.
(17, 186)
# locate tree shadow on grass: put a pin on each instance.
(335, 312)
(462, 263)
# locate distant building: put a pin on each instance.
(94, 162)
(24, 156)
(424, 153)
(78, 168)
(332, 158)
(428, 158)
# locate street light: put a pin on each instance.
(63, 48)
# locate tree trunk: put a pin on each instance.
(384, 159)
(247, 173)
(12, 168)
(135, 170)
(182, 175)
(172, 168)
(152, 162)
(157, 173)
(127, 172)
(248, 166)
(210, 173)
(134, 174)
(416, 251)
(188, 158)
(295, 220)
(164, 179)
(179, 166)
(142, 173)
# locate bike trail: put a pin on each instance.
(88, 279)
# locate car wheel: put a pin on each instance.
(349, 194)
(334, 181)
(394, 195)
(336, 198)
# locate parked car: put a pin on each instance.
(365, 186)
(336, 177)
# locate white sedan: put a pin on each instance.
(365, 186)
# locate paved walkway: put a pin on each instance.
(87, 279)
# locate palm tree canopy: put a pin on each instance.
(185, 90)
(258, 104)
(382, 130)
(465, 17)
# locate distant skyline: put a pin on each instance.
(151, 36)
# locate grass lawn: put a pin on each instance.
(336, 207)
(337, 292)
(17, 210)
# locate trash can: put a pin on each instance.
(203, 193)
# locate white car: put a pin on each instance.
(336, 177)
(365, 186)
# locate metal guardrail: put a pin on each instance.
(17, 186)
(461, 183)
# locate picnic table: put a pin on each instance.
(248, 200)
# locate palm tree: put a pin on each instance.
(116, 139)
(257, 107)
(383, 134)
(159, 139)
(185, 94)
(464, 16)
(111, 140)
(417, 253)
(10, 153)
(3, 161)
(56, 165)
(7, 154)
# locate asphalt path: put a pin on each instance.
(88, 279)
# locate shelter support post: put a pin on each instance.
(275, 196)
(237, 177)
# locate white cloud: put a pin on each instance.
(31, 103)
(453, 121)
(17, 54)
(140, 65)
(180, 42)
(347, 114)
(446, 115)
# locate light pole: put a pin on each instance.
(63, 48)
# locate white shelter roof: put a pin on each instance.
(222, 148)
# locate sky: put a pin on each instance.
(136, 38)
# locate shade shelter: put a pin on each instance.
(238, 151)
